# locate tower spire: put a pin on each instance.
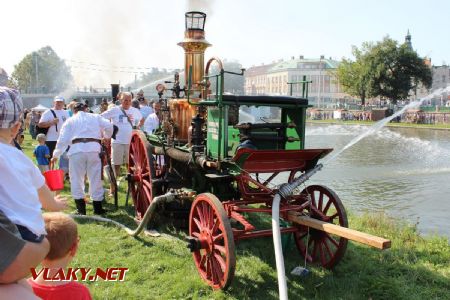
(408, 40)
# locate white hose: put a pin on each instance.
(282, 286)
(285, 190)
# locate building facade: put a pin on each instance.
(273, 79)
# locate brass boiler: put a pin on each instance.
(181, 114)
(194, 45)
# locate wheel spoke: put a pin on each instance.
(205, 214)
(217, 268)
(327, 247)
(319, 206)
(330, 218)
(221, 261)
(322, 256)
(202, 262)
(332, 240)
(301, 235)
(148, 194)
(211, 219)
(217, 237)
(200, 216)
(221, 249)
(215, 226)
(313, 199)
(327, 206)
(197, 222)
(208, 268)
(314, 251)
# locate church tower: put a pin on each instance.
(408, 40)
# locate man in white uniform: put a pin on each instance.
(152, 121)
(144, 108)
(53, 119)
(83, 133)
(126, 118)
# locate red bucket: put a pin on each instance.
(54, 179)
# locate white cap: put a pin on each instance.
(59, 98)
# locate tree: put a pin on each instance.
(354, 76)
(232, 83)
(42, 71)
(385, 69)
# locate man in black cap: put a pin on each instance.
(83, 133)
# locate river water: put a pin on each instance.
(404, 172)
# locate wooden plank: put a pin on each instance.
(347, 233)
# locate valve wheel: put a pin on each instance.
(322, 248)
(142, 168)
(209, 224)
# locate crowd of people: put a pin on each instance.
(74, 137)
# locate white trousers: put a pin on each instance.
(83, 163)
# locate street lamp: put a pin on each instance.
(320, 81)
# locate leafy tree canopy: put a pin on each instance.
(42, 71)
(384, 69)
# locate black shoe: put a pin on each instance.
(81, 206)
(98, 209)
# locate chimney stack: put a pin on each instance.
(194, 45)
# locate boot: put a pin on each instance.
(98, 209)
(81, 206)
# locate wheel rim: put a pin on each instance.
(141, 167)
(323, 248)
(209, 224)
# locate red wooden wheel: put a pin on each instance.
(323, 248)
(143, 168)
(209, 224)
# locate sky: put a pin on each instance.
(98, 38)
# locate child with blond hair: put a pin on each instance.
(42, 153)
(62, 233)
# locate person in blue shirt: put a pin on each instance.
(42, 153)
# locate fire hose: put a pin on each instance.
(284, 191)
(148, 216)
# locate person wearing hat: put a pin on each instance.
(23, 193)
(83, 132)
(53, 119)
(143, 105)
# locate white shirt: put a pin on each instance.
(20, 180)
(82, 125)
(146, 111)
(118, 118)
(62, 115)
(151, 123)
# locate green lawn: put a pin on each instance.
(416, 267)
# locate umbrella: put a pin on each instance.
(39, 107)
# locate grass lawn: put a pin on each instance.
(415, 267)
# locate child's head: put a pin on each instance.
(41, 138)
(62, 234)
(11, 109)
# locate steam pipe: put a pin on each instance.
(284, 191)
(185, 157)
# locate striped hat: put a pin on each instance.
(11, 107)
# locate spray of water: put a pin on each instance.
(380, 124)
(154, 82)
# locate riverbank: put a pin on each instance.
(416, 267)
(370, 123)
